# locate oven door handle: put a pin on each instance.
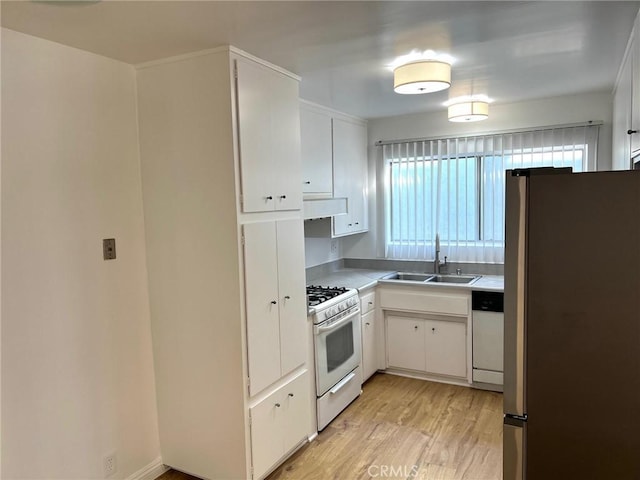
(321, 328)
(338, 386)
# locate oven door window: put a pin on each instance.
(339, 346)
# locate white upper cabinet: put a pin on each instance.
(316, 152)
(350, 175)
(334, 159)
(626, 106)
(269, 138)
(275, 299)
(635, 92)
(621, 140)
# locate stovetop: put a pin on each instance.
(317, 294)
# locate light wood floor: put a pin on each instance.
(404, 428)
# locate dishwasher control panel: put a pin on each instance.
(487, 301)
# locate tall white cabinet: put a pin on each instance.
(221, 173)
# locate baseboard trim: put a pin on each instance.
(151, 471)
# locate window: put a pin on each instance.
(455, 188)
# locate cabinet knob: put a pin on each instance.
(287, 297)
(631, 132)
(350, 225)
(433, 329)
(416, 327)
(282, 197)
(307, 182)
(277, 405)
(273, 302)
(370, 303)
(367, 324)
(291, 394)
(269, 197)
(357, 223)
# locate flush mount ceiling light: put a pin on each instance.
(468, 109)
(424, 76)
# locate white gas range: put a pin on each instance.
(336, 323)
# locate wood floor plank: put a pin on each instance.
(404, 428)
(407, 428)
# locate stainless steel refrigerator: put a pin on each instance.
(572, 325)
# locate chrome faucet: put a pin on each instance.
(437, 264)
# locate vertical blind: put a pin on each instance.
(454, 187)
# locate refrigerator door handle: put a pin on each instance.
(515, 294)
(513, 461)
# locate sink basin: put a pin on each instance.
(410, 277)
(452, 278)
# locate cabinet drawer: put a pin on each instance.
(427, 302)
(368, 302)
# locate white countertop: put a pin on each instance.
(362, 279)
(359, 278)
(490, 283)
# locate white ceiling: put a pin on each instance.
(510, 51)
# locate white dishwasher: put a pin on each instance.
(488, 340)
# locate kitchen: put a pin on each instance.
(81, 355)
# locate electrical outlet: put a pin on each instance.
(334, 246)
(109, 465)
(109, 248)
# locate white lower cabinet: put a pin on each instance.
(406, 343)
(369, 334)
(369, 363)
(446, 347)
(279, 423)
(432, 346)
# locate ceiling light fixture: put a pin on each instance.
(468, 109)
(424, 76)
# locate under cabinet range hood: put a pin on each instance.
(324, 207)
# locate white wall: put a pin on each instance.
(77, 370)
(536, 113)
(318, 251)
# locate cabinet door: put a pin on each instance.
(349, 174)
(621, 158)
(406, 343)
(267, 436)
(343, 151)
(297, 408)
(635, 95)
(293, 300)
(446, 347)
(369, 360)
(262, 298)
(317, 152)
(285, 142)
(359, 174)
(269, 138)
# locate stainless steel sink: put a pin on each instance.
(452, 278)
(410, 277)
